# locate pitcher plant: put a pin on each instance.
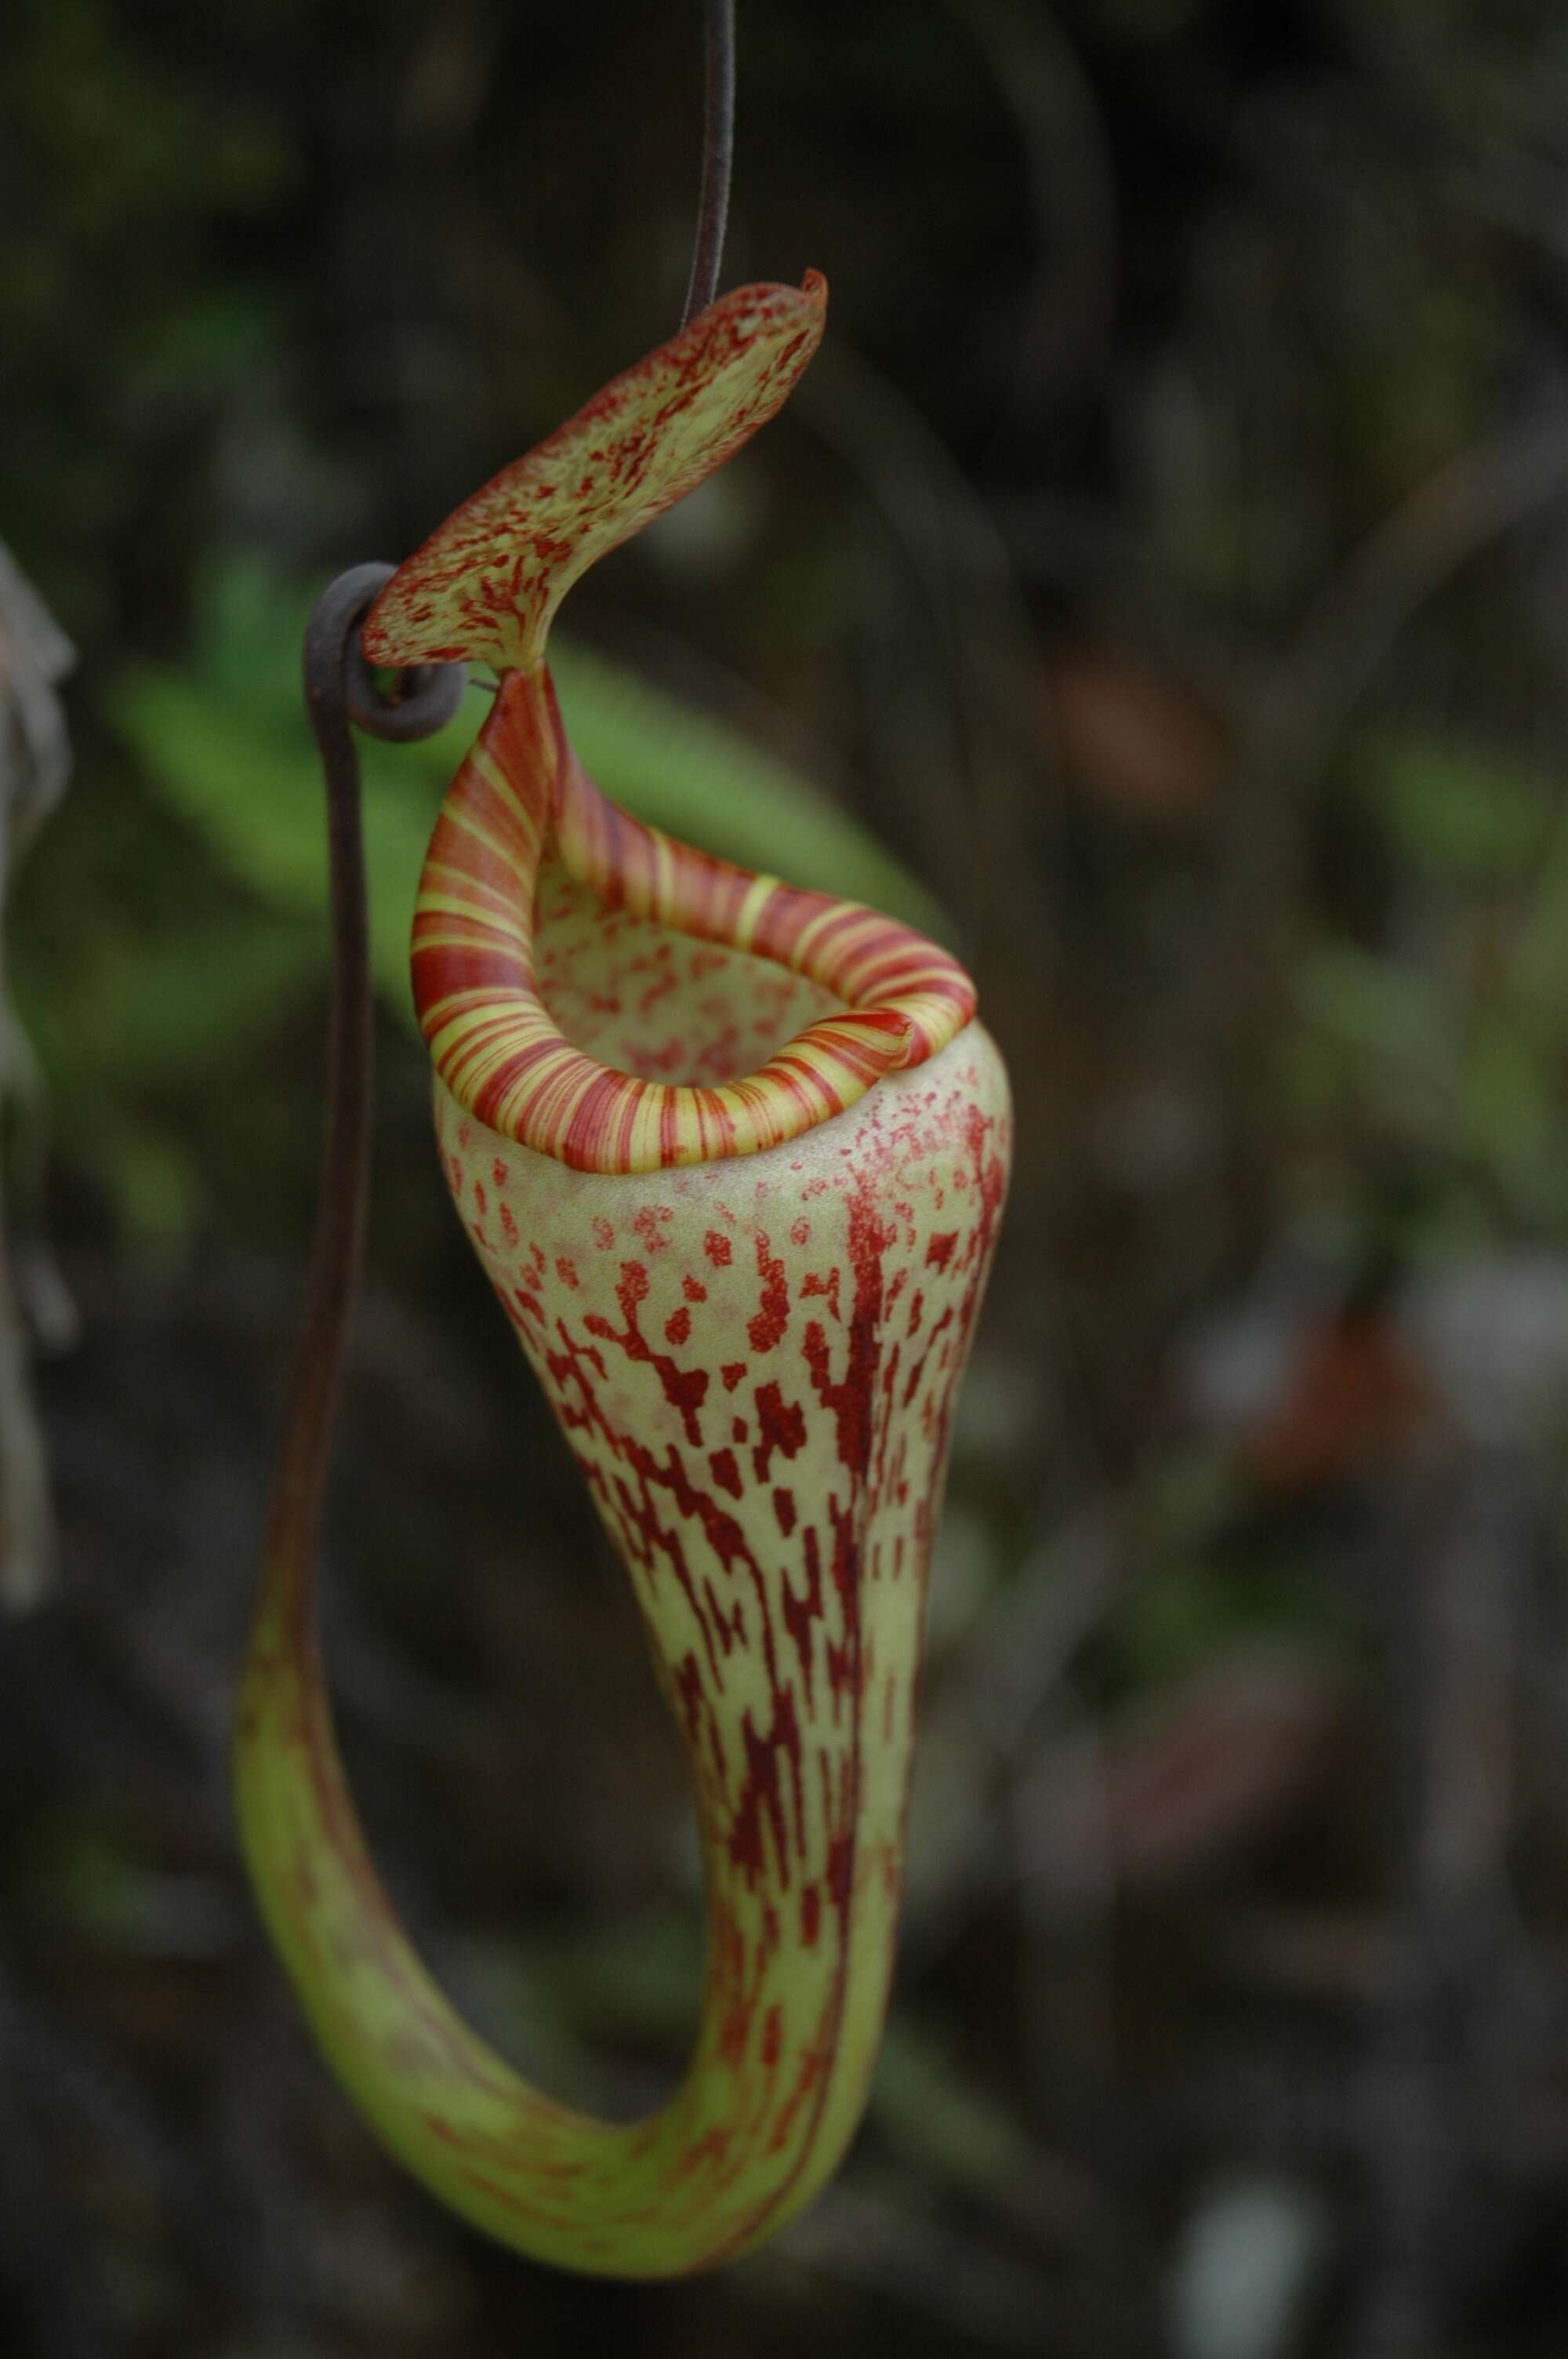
(733, 1156)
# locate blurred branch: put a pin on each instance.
(1346, 635)
(35, 760)
(1353, 624)
(1453, 1634)
(1071, 303)
(987, 661)
(962, 2280)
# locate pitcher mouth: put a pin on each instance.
(498, 1048)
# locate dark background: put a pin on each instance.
(1167, 555)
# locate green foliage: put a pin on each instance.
(224, 746)
(1458, 813)
(1182, 1614)
(1447, 1042)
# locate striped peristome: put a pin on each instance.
(733, 1156)
(894, 998)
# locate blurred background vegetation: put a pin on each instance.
(1168, 556)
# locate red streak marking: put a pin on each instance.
(828, 1286)
(801, 1609)
(811, 2064)
(846, 1667)
(919, 1368)
(784, 1508)
(731, 1627)
(643, 1533)
(685, 1388)
(508, 1226)
(725, 1471)
(939, 1252)
(480, 1199)
(603, 1235)
(732, 1371)
(711, 2147)
(677, 1326)
(762, 1796)
(733, 2035)
(810, 1915)
(693, 1288)
(718, 1249)
(782, 1425)
(800, 1234)
(565, 1270)
(527, 2206)
(649, 1221)
(773, 2038)
(739, 1430)
(767, 1327)
(695, 1711)
(498, 1172)
(637, 1517)
(851, 1399)
(841, 1870)
(915, 1307)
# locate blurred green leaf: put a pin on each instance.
(255, 800)
(1375, 1003)
(1455, 812)
(1183, 1613)
(1505, 1111)
(183, 1006)
(924, 2103)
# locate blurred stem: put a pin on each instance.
(718, 157)
(27, 1525)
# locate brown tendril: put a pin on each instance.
(718, 157)
(340, 689)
